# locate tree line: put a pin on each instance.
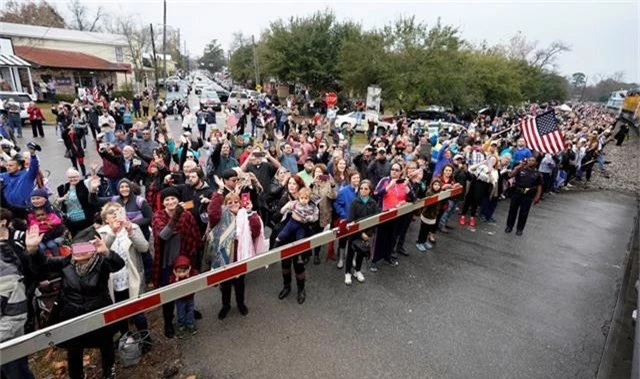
(415, 64)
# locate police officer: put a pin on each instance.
(528, 189)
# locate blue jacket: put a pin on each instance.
(343, 201)
(17, 187)
(442, 159)
(519, 155)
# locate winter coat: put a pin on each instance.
(323, 194)
(343, 201)
(136, 244)
(81, 295)
(17, 187)
(360, 210)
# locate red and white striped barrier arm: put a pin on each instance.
(66, 330)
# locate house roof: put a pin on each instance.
(41, 32)
(67, 59)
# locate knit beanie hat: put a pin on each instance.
(126, 181)
(169, 192)
(40, 192)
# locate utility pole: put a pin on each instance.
(164, 40)
(155, 57)
(178, 43)
(583, 87)
(186, 57)
(255, 60)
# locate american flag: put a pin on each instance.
(96, 93)
(542, 133)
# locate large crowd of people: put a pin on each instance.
(160, 207)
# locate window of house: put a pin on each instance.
(119, 54)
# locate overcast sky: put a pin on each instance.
(604, 36)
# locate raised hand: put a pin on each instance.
(33, 238)
(101, 246)
(219, 182)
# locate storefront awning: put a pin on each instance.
(13, 60)
(67, 59)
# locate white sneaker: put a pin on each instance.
(359, 277)
(421, 247)
(347, 279)
(569, 185)
(341, 263)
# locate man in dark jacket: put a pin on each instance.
(379, 168)
(362, 160)
(198, 191)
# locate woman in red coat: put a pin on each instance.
(36, 118)
(175, 233)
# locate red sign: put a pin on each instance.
(332, 99)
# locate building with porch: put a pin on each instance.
(71, 59)
(15, 75)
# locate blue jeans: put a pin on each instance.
(601, 161)
(109, 137)
(294, 228)
(488, 207)
(449, 212)
(184, 308)
(18, 369)
(51, 245)
(15, 123)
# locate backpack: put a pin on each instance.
(139, 200)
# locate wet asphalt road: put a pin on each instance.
(480, 305)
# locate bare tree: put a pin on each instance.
(518, 47)
(81, 19)
(137, 36)
(31, 13)
(238, 40)
(548, 57)
(618, 76)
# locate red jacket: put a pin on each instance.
(35, 113)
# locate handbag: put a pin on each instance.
(67, 153)
(361, 246)
(130, 347)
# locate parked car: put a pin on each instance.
(21, 98)
(253, 94)
(210, 99)
(223, 95)
(237, 99)
(427, 114)
(171, 96)
(350, 118)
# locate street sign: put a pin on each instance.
(332, 99)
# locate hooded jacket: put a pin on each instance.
(17, 187)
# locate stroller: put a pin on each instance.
(46, 296)
(44, 301)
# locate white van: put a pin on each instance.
(238, 99)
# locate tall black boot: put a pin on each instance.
(167, 314)
(286, 278)
(302, 295)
